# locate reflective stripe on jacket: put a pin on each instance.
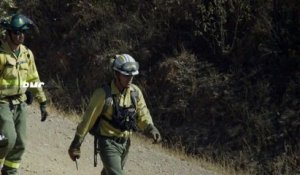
(96, 105)
(15, 72)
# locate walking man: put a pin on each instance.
(120, 109)
(17, 69)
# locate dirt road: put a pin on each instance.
(48, 143)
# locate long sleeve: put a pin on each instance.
(92, 112)
(144, 117)
(33, 77)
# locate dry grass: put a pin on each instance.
(206, 162)
(244, 118)
(54, 111)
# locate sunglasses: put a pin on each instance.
(18, 32)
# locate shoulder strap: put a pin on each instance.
(108, 96)
(110, 99)
(134, 95)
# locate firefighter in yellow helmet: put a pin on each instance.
(17, 70)
(114, 112)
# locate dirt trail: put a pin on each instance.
(47, 153)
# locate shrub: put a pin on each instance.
(221, 77)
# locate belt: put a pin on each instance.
(120, 140)
(13, 99)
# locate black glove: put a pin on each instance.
(153, 132)
(29, 97)
(74, 150)
(74, 153)
(44, 113)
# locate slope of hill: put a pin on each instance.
(47, 153)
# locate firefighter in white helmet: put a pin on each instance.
(115, 110)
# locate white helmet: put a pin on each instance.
(126, 65)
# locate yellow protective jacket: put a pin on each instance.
(15, 72)
(96, 105)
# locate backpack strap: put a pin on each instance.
(95, 127)
(134, 95)
(108, 97)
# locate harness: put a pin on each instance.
(124, 118)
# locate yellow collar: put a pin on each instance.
(115, 90)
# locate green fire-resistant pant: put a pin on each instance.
(113, 155)
(13, 127)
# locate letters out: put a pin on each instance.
(33, 84)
